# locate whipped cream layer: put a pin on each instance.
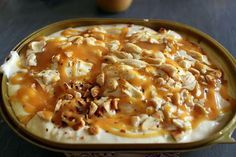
(117, 83)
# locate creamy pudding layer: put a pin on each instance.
(117, 83)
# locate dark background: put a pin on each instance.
(19, 18)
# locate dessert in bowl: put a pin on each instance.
(117, 83)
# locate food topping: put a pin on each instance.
(119, 81)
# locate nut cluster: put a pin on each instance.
(79, 103)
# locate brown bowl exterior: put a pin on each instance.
(216, 52)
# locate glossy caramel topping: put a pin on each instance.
(147, 81)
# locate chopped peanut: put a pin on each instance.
(93, 130)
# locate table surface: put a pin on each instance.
(19, 18)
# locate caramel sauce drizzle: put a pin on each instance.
(35, 99)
